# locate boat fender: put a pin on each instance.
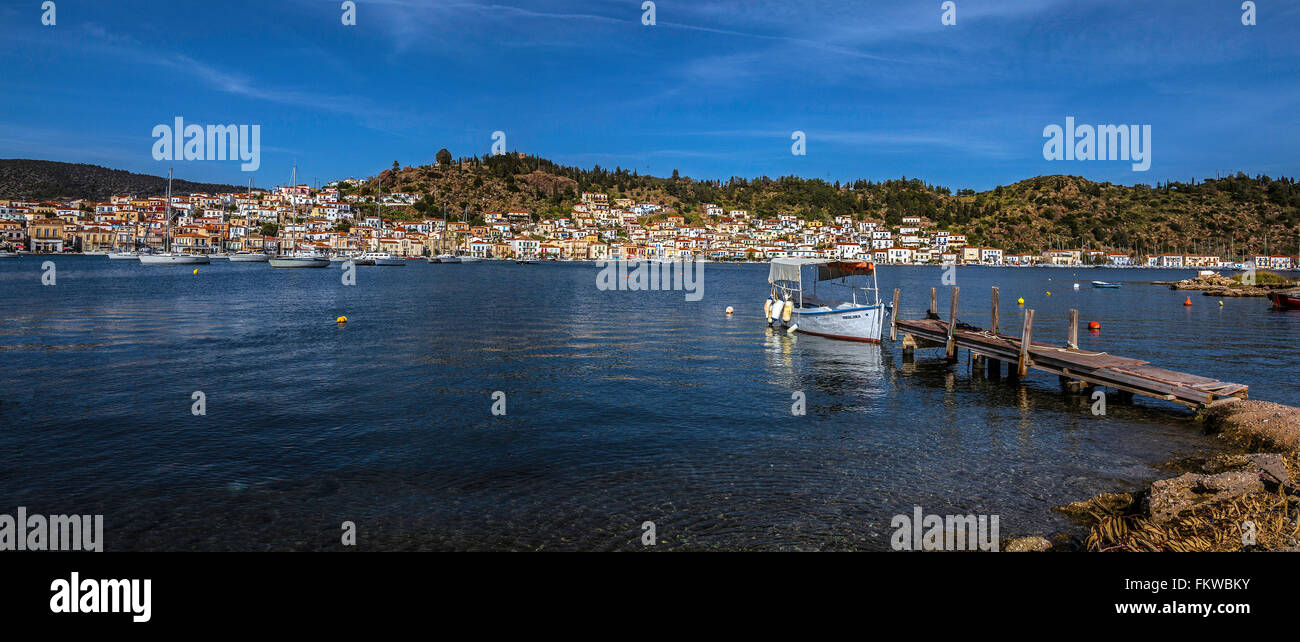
(787, 311)
(776, 310)
(767, 310)
(790, 330)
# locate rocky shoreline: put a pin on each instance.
(1247, 499)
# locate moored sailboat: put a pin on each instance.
(168, 257)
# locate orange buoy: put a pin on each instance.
(1188, 302)
(1094, 325)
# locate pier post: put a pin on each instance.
(994, 329)
(1072, 336)
(1026, 335)
(934, 301)
(893, 319)
(952, 326)
(977, 365)
(909, 348)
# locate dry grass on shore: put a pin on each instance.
(1125, 522)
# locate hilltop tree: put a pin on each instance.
(443, 157)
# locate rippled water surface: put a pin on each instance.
(622, 407)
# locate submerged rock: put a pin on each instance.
(1104, 503)
(1033, 544)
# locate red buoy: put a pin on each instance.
(1188, 302)
(1094, 325)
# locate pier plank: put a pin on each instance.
(1098, 368)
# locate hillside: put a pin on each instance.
(1225, 215)
(26, 179)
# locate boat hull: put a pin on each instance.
(861, 323)
(173, 259)
(249, 258)
(1284, 300)
(123, 256)
(298, 262)
(390, 262)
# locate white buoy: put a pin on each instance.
(791, 329)
(730, 310)
(1076, 286)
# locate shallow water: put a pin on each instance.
(622, 407)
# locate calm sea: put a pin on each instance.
(621, 407)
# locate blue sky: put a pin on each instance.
(714, 89)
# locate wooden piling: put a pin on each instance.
(1022, 365)
(893, 318)
(952, 326)
(995, 310)
(1072, 334)
(934, 301)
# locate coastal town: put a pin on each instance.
(337, 220)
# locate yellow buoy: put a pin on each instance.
(1049, 293)
(1220, 303)
(196, 270)
(1020, 301)
(341, 320)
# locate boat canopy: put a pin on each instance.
(788, 269)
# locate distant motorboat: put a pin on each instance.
(525, 262)
(174, 258)
(1105, 284)
(123, 256)
(380, 259)
(301, 260)
(5, 254)
(470, 259)
(249, 257)
(448, 258)
(96, 253)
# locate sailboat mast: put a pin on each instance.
(167, 230)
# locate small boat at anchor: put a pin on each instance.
(843, 301)
(1287, 300)
(1106, 284)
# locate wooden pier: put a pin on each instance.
(1077, 368)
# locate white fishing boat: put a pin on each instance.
(249, 257)
(842, 302)
(168, 257)
(470, 259)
